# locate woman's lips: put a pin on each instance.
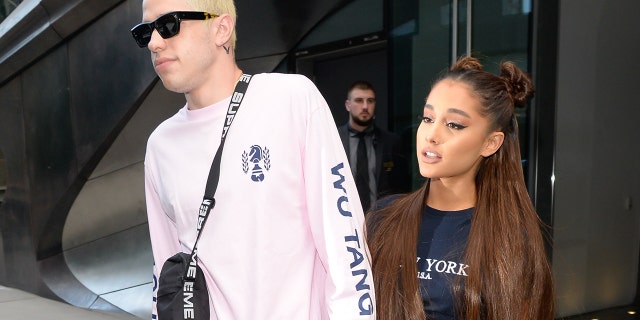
(431, 157)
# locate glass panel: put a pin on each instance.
(461, 49)
(500, 31)
(419, 43)
(357, 18)
(420, 47)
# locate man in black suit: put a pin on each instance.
(378, 163)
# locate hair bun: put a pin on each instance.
(467, 63)
(519, 85)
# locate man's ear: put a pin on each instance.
(347, 105)
(224, 25)
(493, 143)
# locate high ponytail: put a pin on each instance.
(511, 276)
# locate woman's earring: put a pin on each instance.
(226, 49)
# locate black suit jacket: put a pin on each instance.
(392, 165)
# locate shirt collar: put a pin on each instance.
(354, 133)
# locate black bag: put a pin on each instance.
(173, 301)
(182, 289)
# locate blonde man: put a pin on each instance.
(285, 238)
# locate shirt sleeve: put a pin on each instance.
(336, 217)
(163, 232)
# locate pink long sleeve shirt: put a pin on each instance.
(285, 239)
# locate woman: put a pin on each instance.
(472, 227)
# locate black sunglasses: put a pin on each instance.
(168, 25)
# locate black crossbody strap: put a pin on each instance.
(208, 201)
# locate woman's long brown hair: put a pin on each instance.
(509, 276)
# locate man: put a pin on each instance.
(285, 239)
(378, 163)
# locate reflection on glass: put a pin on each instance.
(6, 7)
(498, 30)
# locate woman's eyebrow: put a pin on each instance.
(450, 110)
(458, 111)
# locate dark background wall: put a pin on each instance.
(597, 171)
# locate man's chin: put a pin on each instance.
(173, 87)
(363, 123)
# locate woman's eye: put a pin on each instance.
(427, 120)
(455, 126)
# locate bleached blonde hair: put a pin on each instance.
(218, 7)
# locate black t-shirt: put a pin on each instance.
(441, 242)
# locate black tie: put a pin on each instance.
(362, 172)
